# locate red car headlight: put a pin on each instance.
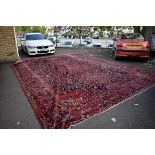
(147, 45)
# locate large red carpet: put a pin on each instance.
(64, 90)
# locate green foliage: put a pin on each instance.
(101, 34)
(41, 29)
(30, 29)
(22, 29)
(65, 35)
(105, 28)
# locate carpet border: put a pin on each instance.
(140, 92)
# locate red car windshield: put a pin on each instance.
(132, 36)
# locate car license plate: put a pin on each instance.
(131, 46)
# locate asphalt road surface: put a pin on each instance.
(103, 53)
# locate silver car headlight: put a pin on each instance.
(31, 47)
(51, 45)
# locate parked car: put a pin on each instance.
(88, 40)
(69, 43)
(81, 45)
(96, 36)
(52, 39)
(58, 39)
(97, 45)
(131, 45)
(37, 43)
(19, 38)
(111, 45)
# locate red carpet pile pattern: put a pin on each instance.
(66, 89)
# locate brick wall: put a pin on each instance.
(8, 51)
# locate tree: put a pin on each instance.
(22, 29)
(28, 29)
(136, 29)
(78, 30)
(105, 28)
(41, 29)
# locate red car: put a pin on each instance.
(131, 45)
